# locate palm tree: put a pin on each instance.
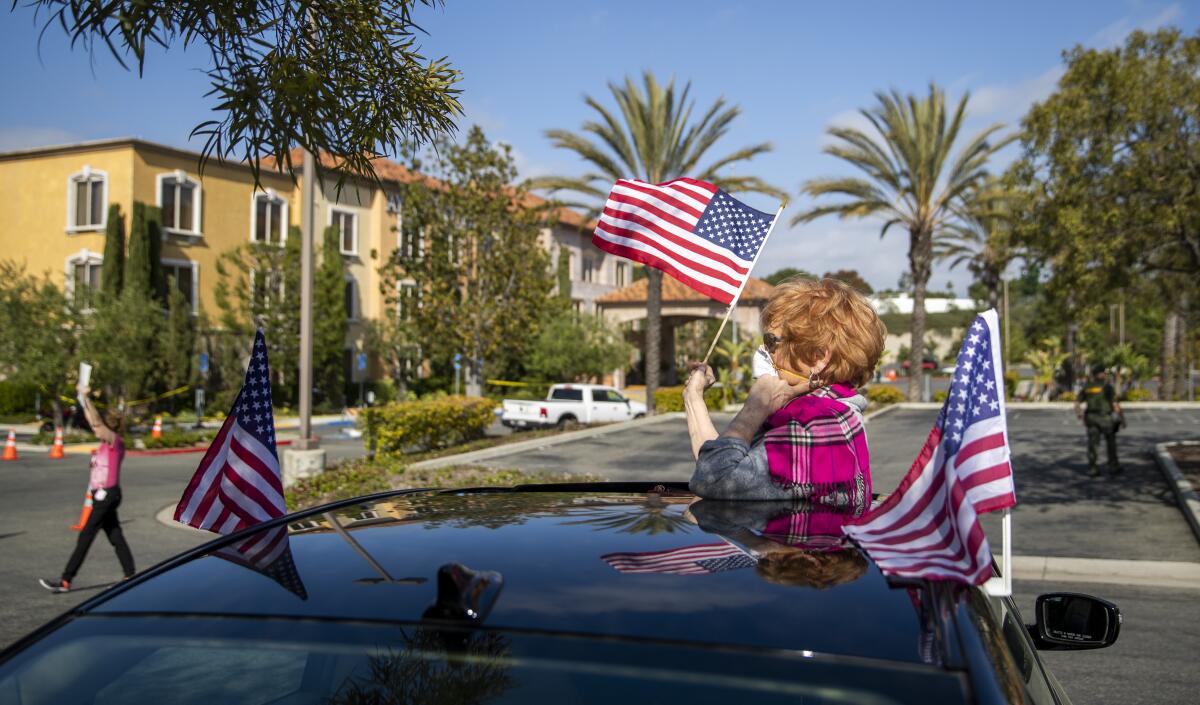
(911, 181)
(652, 138)
(981, 237)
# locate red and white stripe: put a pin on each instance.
(674, 561)
(654, 224)
(236, 485)
(927, 528)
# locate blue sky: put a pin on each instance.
(793, 67)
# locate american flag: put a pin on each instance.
(689, 560)
(237, 484)
(689, 229)
(929, 527)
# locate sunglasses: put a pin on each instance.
(771, 341)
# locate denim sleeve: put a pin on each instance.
(730, 468)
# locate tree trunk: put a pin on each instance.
(919, 258)
(653, 334)
(57, 410)
(1166, 378)
(1183, 366)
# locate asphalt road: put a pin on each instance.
(41, 498)
(1061, 512)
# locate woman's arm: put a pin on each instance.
(699, 423)
(99, 429)
(768, 395)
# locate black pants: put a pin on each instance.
(104, 516)
(1101, 425)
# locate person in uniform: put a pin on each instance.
(1097, 407)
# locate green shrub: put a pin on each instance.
(1010, 383)
(43, 438)
(883, 394)
(941, 395)
(1137, 395)
(179, 438)
(385, 391)
(17, 398)
(667, 399)
(1067, 396)
(393, 429)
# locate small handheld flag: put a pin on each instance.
(689, 229)
(929, 527)
(237, 483)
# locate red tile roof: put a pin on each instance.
(677, 292)
(389, 170)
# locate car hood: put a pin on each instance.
(619, 564)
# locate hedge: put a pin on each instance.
(883, 394)
(1137, 395)
(17, 398)
(667, 399)
(178, 438)
(393, 429)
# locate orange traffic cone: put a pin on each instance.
(10, 448)
(56, 450)
(85, 513)
(156, 432)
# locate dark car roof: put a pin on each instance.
(378, 559)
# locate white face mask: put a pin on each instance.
(761, 365)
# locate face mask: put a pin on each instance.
(761, 364)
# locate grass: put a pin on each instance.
(364, 476)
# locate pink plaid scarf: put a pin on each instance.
(817, 447)
(812, 527)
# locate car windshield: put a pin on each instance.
(216, 660)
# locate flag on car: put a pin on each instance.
(689, 229)
(237, 483)
(929, 527)
(689, 560)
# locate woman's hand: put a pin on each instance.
(771, 393)
(701, 378)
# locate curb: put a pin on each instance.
(166, 517)
(881, 411)
(539, 443)
(180, 451)
(1185, 494)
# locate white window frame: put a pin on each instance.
(87, 174)
(195, 267)
(353, 214)
(402, 286)
(620, 274)
(355, 312)
(179, 176)
(272, 197)
(84, 256)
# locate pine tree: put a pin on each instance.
(113, 269)
(329, 320)
(137, 263)
(178, 340)
(158, 278)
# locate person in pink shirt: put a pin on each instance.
(105, 486)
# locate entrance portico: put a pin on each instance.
(680, 304)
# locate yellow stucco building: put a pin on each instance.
(56, 223)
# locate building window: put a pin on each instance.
(577, 306)
(87, 200)
(269, 218)
(407, 301)
(83, 274)
(408, 241)
(179, 199)
(347, 225)
(184, 273)
(351, 294)
(262, 285)
(622, 274)
(589, 269)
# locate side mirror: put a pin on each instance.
(1070, 621)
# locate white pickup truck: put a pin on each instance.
(571, 404)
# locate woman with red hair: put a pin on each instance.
(800, 434)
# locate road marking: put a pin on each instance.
(1177, 575)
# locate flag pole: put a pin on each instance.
(738, 295)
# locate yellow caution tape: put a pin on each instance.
(136, 402)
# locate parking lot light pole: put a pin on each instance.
(306, 303)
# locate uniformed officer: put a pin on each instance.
(1097, 407)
